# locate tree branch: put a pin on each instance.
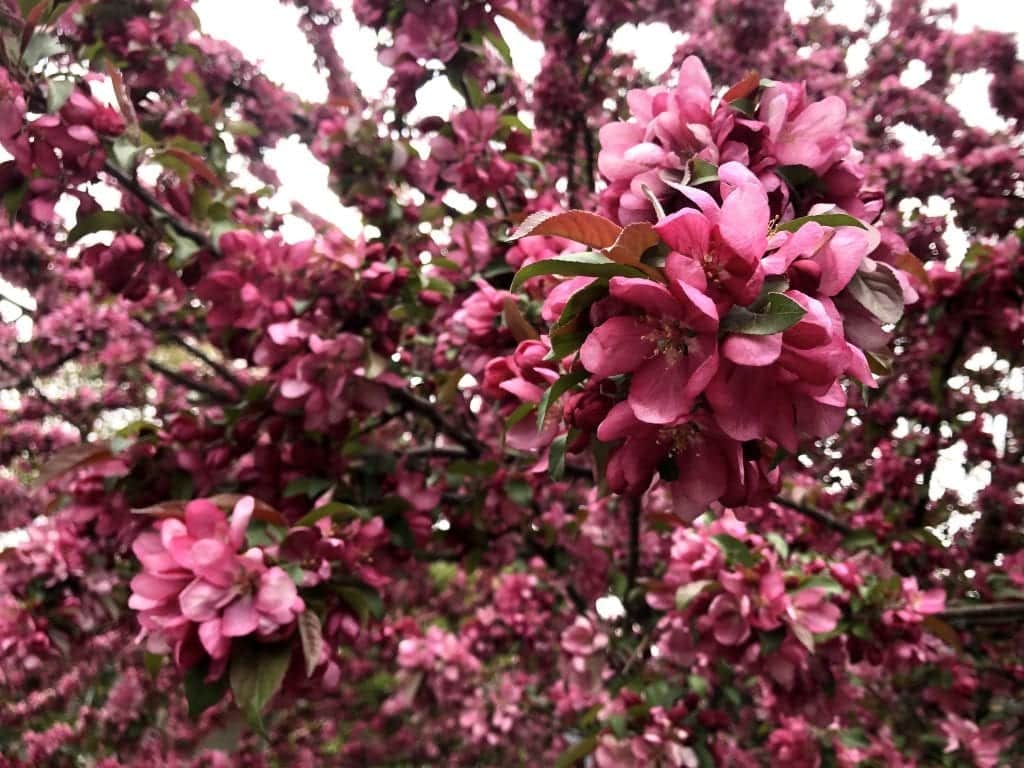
(984, 613)
(219, 367)
(196, 386)
(816, 515)
(133, 186)
(427, 409)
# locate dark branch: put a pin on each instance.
(984, 613)
(196, 386)
(157, 207)
(427, 409)
(816, 515)
(217, 366)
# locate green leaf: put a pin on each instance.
(519, 414)
(335, 509)
(101, 221)
(57, 92)
(125, 150)
(556, 457)
(257, 671)
(876, 288)
(363, 600)
(312, 637)
(573, 264)
(703, 172)
(576, 752)
(41, 46)
(581, 300)
(778, 313)
(200, 694)
(779, 543)
(687, 593)
(555, 392)
(735, 551)
(821, 581)
(825, 219)
(307, 486)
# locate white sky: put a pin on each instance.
(271, 37)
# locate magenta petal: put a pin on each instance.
(658, 393)
(744, 222)
(212, 638)
(687, 270)
(240, 618)
(240, 517)
(203, 519)
(687, 232)
(738, 399)
(156, 588)
(645, 294)
(200, 600)
(841, 258)
(618, 345)
(619, 423)
(701, 313)
(752, 350)
(277, 592)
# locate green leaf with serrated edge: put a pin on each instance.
(687, 593)
(556, 457)
(576, 752)
(735, 551)
(825, 219)
(200, 694)
(572, 265)
(778, 313)
(256, 673)
(555, 392)
(100, 221)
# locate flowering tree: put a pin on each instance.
(616, 439)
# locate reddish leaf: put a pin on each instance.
(226, 501)
(124, 101)
(71, 458)
(517, 324)
(631, 244)
(32, 19)
(910, 264)
(262, 510)
(198, 166)
(743, 88)
(581, 226)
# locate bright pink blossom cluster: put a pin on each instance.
(738, 345)
(197, 591)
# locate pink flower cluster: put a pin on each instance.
(196, 584)
(671, 127)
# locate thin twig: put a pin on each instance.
(984, 613)
(816, 515)
(133, 186)
(196, 386)
(217, 366)
(425, 408)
